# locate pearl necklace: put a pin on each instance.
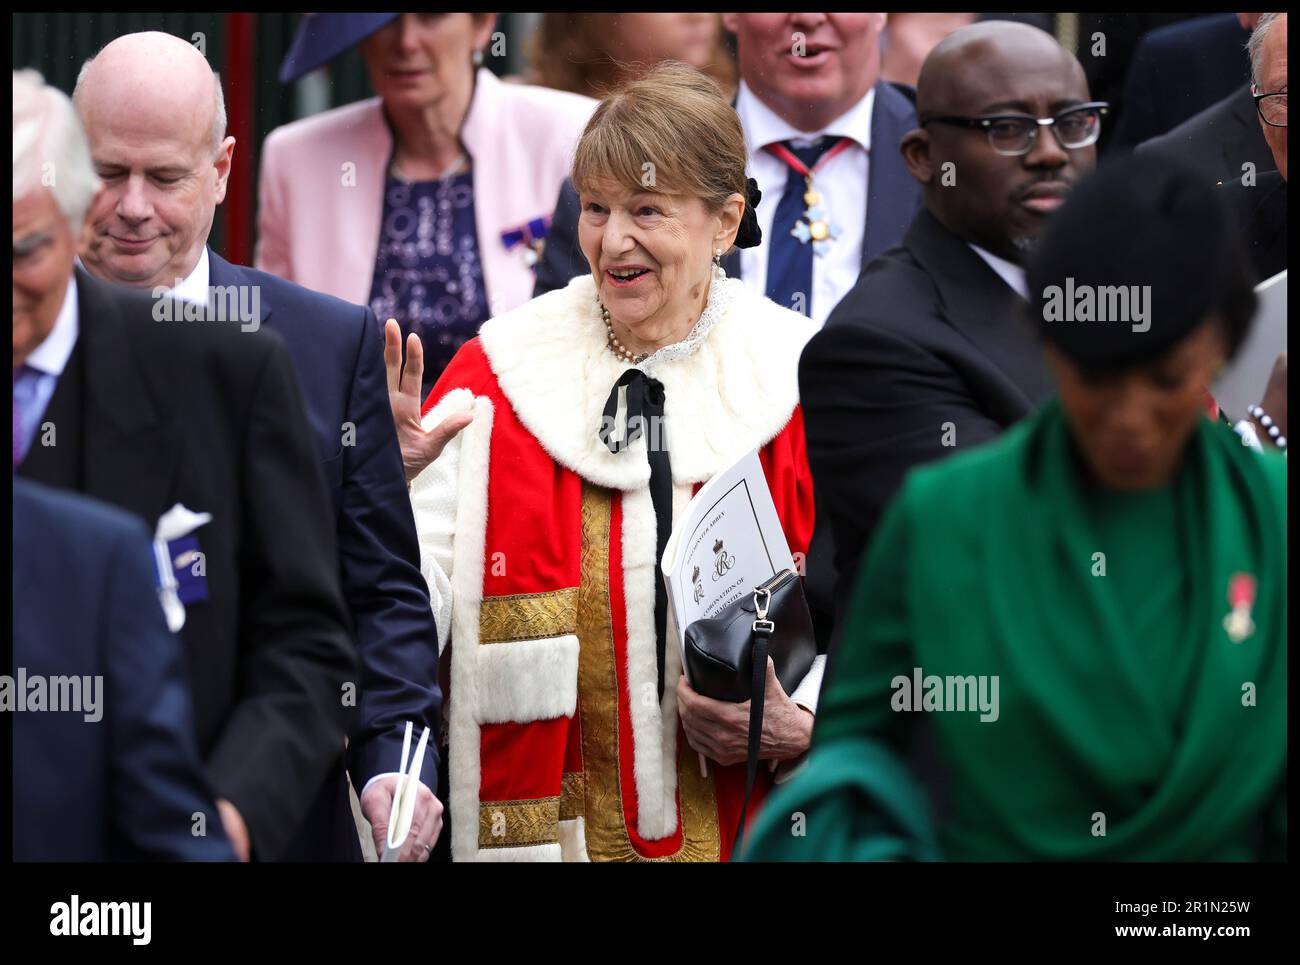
(617, 347)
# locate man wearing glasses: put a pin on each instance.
(1268, 68)
(1259, 202)
(928, 354)
(1225, 136)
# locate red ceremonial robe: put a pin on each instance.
(539, 547)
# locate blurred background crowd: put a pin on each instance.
(587, 53)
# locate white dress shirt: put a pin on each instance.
(842, 183)
(52, 355)
(1008, 271)
(194, 287)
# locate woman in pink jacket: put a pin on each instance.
(428, 203)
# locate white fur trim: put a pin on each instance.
(735, 393)
(654, 725)
(434, 502)
(457, 400)
(525, 680)
(529, 852)
(467, 599)
(573, 840)
(668, 724)
(656, 817)
(809, 689)
(672, 670)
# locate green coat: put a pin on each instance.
(1088, 695)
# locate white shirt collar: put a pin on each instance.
(1008, 271)
(194, 287)
(51, 356)
(763, 126)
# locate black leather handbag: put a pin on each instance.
(726, 657)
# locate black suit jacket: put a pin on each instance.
(150, 413)
(893, 197)
(1218, 140)
(929, 336)
(1260, 212)
(1178, 71)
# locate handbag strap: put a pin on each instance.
(762, 631)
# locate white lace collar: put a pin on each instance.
(720, 298)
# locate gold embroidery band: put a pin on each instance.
(528, 616)
(513, 824)
(606, 822)
(573, 796)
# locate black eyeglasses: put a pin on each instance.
(1272, 108)
(1013, 135)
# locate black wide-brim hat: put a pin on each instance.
(323, 36)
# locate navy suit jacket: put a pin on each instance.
(1178, 71)
(131, 784)
(337, 353)
(893, 198)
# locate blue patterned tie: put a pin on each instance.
(789, 260)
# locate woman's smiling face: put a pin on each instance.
(651, 255)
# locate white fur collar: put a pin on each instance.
(736, 392)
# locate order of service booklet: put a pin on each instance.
(728, 541)
(1242, 381)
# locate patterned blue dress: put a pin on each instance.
(428, 274)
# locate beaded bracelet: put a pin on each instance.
(1274, 433)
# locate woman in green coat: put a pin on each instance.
(1084, 622)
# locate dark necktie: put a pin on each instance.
(789, 260)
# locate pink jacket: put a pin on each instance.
(322, 187)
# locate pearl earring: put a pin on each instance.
(717, 264)
(478, 58)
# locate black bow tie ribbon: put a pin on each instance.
(644, 407)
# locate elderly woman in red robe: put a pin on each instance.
(573, 735)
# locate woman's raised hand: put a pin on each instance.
(419, 447)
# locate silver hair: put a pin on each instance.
(1255, 46)
(218, 133)
(50, 148)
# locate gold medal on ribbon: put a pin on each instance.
(814, 226)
